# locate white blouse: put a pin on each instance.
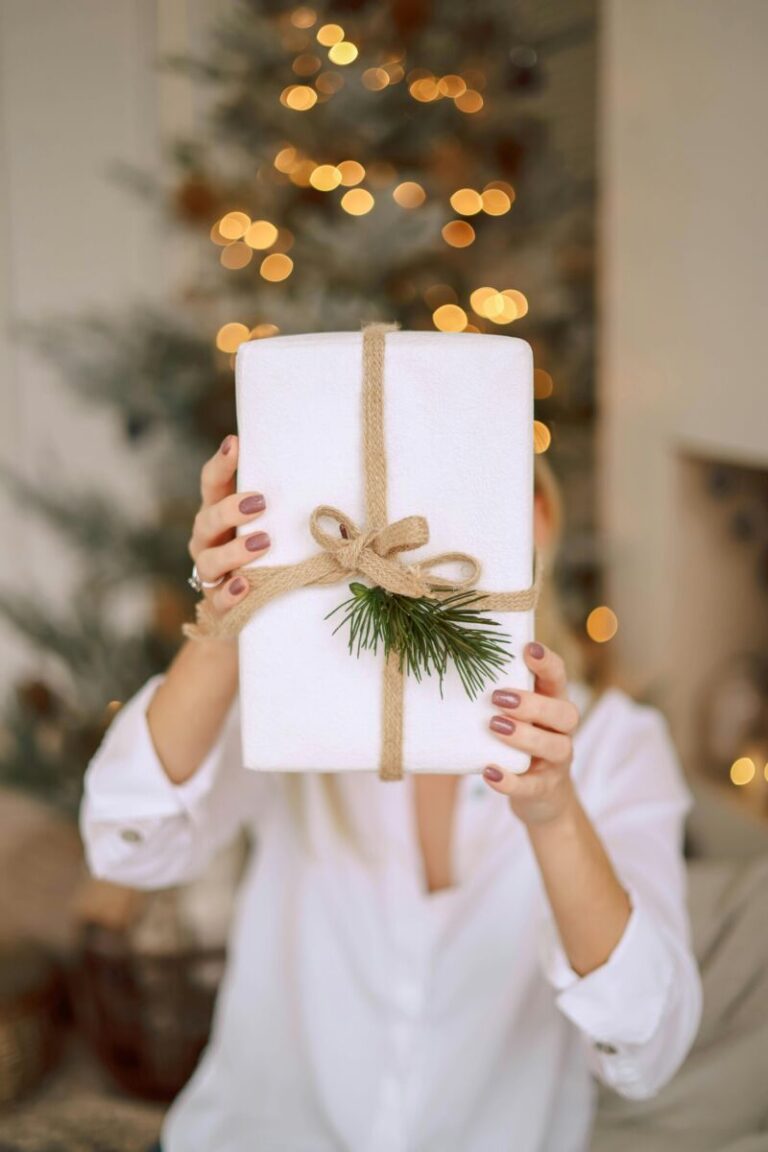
(361, 1013)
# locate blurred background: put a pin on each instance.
(179, 176)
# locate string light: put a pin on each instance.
(233, 226)
(542, 437)
(450, 318)
(409, 194)
(275, 267)
(343, 53)
(375, 79)
(602, 624)
(330, 34)
(357, 201)
(325, 177)
(742, 771)
(230, 336)
(458, 233)
(303, 17)
(261, 234)
(467, 202)
(299, 97)
(236, 255)
(351, 173)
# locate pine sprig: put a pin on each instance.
(428, 633)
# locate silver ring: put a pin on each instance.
(198, 584)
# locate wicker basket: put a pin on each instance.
(31, 1016)
(147, 1016)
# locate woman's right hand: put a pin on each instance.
(214, 544)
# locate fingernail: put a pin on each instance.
(255, 503)
(236, 586)
(493, 774)
(503, 724)
(536, 650)
(257, 541)
(505, 699)
(226, 444)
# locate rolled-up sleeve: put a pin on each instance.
(639, 1012)
(142, 830)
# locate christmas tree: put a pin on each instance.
(397, 161)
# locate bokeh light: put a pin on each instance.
(542, 437)
(330, 34)
(469, 101)
(375, 79)
(261, 234)
(230, 336)
(343, 53)
(233, 226)
(543, 384)
(458, 233)
(299, 97)
(409, 194)
(236, 255)
(275, 267)
(743, 771)
(467, 202)
(325, 177)
(357, 201)
(602, 624)
(303, 17)
(351, 173)
(449, 318)
(495, 202)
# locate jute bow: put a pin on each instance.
(373, 552)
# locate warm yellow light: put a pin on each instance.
(233, 225)
(742, 771)
(469, 101)
(409, 194)
(329, 82)
(325, 177)
(343, 53)
(261, 234)
(261, 331)
(303, 17)
(236, 255)
(602, 624)
(230, 336)
(542, 437)
(276, 267)
(425, 89)
(495, 202)
(374, 79)
(395, 72)
(299, 97)
(452, 86)
(502, 186)
(216, 235)
(458, 233)
(330, 34)
(301, 172)
(543, 384)
(114, 706)
(357, 201)
(286, 159)
(519, 301)
(351, 173)
(466, 201)
(306, 64)
(480, 297)
(449, 318)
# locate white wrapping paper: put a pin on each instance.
(458, 416)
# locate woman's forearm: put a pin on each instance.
(590, 906)
(189, 706)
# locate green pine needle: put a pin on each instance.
(427, 632)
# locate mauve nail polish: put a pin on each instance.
(226, 444)
(236, 585)
(536, 650)
(503, 724)
(258, 541)
(255, 503)
(493, 774)
(505, 699)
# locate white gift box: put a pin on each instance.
(458, 429)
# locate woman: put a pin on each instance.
(438, 964)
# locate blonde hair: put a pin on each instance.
(551, 629)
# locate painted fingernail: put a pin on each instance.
(536, 650)
(236, 586)
(503, 724)
(257, 541)
(505, 699)
(493, 774)
(226, 444)
(255, 503)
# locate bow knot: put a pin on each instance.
(374, 553)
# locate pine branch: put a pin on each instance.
(428, 634)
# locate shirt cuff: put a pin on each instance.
(126, 782)
(623, 1001)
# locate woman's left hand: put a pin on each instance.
(539, 723)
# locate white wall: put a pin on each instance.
(79, 91)
(683, 286)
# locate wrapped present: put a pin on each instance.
(398, 472)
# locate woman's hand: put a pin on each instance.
(539, 723)
(214, 544)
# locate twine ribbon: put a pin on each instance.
(373, 552)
